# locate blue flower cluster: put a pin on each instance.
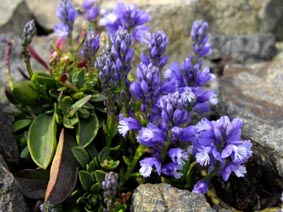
(67, 14)
(130, 18)
(114, 66)
(91, 10)
(163, 105)
(220, 148)
(158, 104)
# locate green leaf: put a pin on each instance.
(79, 104)
(126, 160)
(81, 155)
(65, 104)
(78, 79)
(92, 151)
(44, 78)
(99, 175)
(70, 122)
(86, 179)
(78, 95)
(115, 148)
(98, 97)
(42, 139)
(103, 154)
(92, 166)
(109, 164)
(25, 93)
(21, 124)
(95, 188)
(84, 113)
(25, 153)
(63, 172)
(87, 130)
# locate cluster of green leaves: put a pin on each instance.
(94, 166)
(47, 104)
(61, 113)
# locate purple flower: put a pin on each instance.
(157, 48)
(110, 182)
(151, 135)
(110, 185)
(91, 45)
(147, 87)
(121, 51)
(127, 124)
(128, 17)
(147, 165)
(91, 9)
(201, 187)
(62, 30)
(188, 134)
(203, 156)
(238, 169)
(67, 14)
(199, 34)
(219, 142)
(114, 65)
(191, 74)
(178, 156)
(239, 153)
(174, 109)
(172, 169)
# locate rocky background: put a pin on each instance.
(246, 37)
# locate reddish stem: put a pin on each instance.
(37, 57)
(8, 52)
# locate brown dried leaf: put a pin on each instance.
(64, 170)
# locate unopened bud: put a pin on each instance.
(29, 32)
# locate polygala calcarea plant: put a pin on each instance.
(95, 127)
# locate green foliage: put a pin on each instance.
(87, 130)
(42, 139)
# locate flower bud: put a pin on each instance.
(28, 33)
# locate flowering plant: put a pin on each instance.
(92, 118)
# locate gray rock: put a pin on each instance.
(174, 18)
(243, 17)
(16, 61)
(44, 15)
(11, 198)
(8, 144)
(244, 48)
(254, 94)
(238, 23)
(164, 197)
(14, 15)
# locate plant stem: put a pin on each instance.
(139, 152)
(110, 129)
(7, 64)
(189, 174)
(26, 55)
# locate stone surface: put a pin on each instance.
(164, 197)
(8, 144)
(11, 198)
(244, 48)
(13, 16)
(16, 61)
(44, 12)
(254, 94)
(243, 17)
